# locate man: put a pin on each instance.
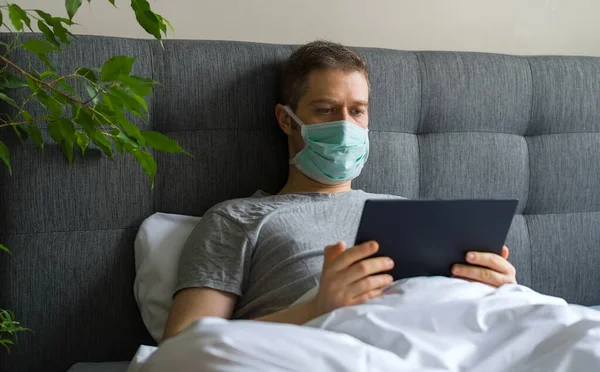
(252, 258)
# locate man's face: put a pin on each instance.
(331, 95)
(334, 95)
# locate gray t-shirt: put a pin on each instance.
(268, 249)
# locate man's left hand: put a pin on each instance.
(491, 268)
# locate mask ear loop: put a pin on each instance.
(293, 116)
(298, 122)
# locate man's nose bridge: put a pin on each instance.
(344, 114)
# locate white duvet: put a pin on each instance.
(419, 324)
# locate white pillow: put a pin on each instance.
(158, 245)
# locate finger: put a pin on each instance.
(505, 252)
(354, 254)
(481, 274)
(366, 267)
(369, 284)
(366, 296)
(490, 261)
(332, 251)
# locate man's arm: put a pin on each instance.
(348, 278)
(298, 314)
(192, 304)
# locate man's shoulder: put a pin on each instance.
(239, 209)
(368, 195)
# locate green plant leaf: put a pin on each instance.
(63, 84)
(161, 143)
(67, 130)
(5, 342)
(45, 74)
(142, 103)
(72, 7)
(1, 18)
(50, 103)
(94, 96)
(10, 81)
(62, 129)
(101, 141)
(64, 20)
(85, 119)
(141, 86)
(119, 146)
(59, 97)
(30, 130)
(166, 21)
(75, 108)
(63, 132)
(39, 46)
(45, 16)
(36, 135)
(82, 141)
(123, 139)
(48, 34)
(21, 133)
(118, 99)
(146, 18)
(116, 66)
(133, 131)
(67, 150)
(96, 135)
(146, 161)
(46, 61)
(105, 110)
(17, 16)
(110, 1)
(57, 25)
(5, 156)
(87, 73)
(33, 85)
(3, 248)
(62, 33)
(8, 100)
(27, 116)
(55, 132)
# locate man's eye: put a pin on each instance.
(324, 110)
(357, 112)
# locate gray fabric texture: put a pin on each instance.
(443, 125)
(100, 367)
(268, 249)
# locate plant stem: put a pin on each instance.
(13, 124)
(25, 73)
(93, 98)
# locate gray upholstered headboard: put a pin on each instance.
(443, 125)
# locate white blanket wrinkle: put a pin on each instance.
(429, 324)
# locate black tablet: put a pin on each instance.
(427, 237)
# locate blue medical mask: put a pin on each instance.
(333, 152)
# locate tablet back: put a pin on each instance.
(426, 237)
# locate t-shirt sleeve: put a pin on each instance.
(216, 255)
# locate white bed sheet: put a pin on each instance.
(420, 324)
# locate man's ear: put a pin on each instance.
(283, 119)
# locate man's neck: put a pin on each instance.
(298, 182)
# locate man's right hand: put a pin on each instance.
(349, 277)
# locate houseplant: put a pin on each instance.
(73, 120)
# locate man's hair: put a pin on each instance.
(313, 56)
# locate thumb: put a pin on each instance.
(505, 252)
(332, 251)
